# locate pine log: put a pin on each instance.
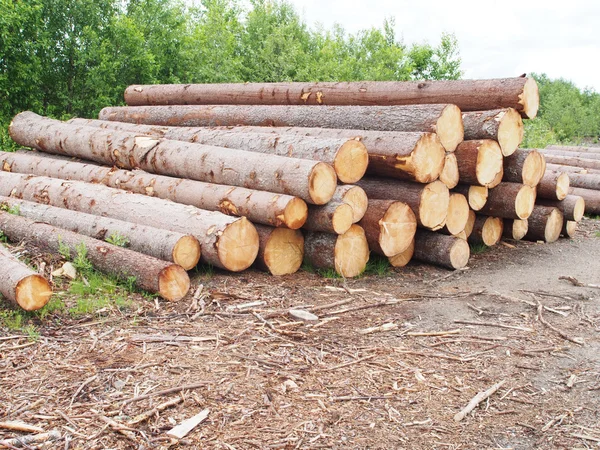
(470, 95)
(479, 162)
(403, 258)
(572, 169)
(570, 154)
(441, 250)
(486, 230)
(553, 185)
(469, 227)
(591, 198)
(572, 206)
(450, 175)
(334, 217)
(389, 226)
(347, 254)
(585, 181)
(312, 181)
(569, 228)
(20, 285)
(428, 201)
(510, 201)
(458, 214)
(574, 148)
(515, 229)
(229, 243)
(281, 250)
(586, 163)
(179, 248)
(443, 119)
(524, 166)
(354, 196)
(476, 195)
(545, 224)
(502, 125)
(277, 210)
(168, 280)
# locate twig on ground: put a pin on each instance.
(477, 400)
(20, 426)
(185, 387)
(80, 388)
(24, 441)
(494, 324)
(575, 282)
(147, 414)
(576, 340)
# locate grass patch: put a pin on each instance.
(308, 267)
(598, 234)
(329, 273)
(118, 240)
(477, 249)
(378, 266)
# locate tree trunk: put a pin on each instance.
(179, 248)
(230, 243)
(586, 163)
(441, 250)
(574, 148)
(347, 254)
(479, 162)
(443, 119)
(310, 180)
(428, 201)
(510, 201)
(389, 226)
(545, 224)
(470, 95)
(570, 154)
(486, 230)
(334, 217)
(502, 125)
(450, 175)
(458, 214)
(553, 185)
(20, 285)
(572, 169)
(403, 258)
(515, 229)
(281, 250)
(277, 210)
(476, 195)
(469, 227)
(524, 166)
(585, 181)
(572, 206)
(569, 228)
(591, 198)
(168, 280)
(354, 196)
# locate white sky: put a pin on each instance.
(496, 38)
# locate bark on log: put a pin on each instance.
(347, 254)
(334, 217)
(585, 181)
(20, 285)
(229, 243)
(450, 175)
(486, 230)
(168, 280)
(524, 166)
(428, 201)
(569, 228)
(458, 214)
(545, 224)
(502, 125)
(179, 248)
(470, 95)
(310, 180)
(515, 229)
(510, 201)
(572, 169)
(570, 154)
(574, 148)
(403, 258)
(354, 196)
(443, 119)
(281, 250)
(476, 195)
(572, 206)
(389, 226)
(591, 198)
(441, 250)
(277, 210)
(586, 163)
(479, 162)
(553, 185)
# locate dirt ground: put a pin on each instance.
(270, 381)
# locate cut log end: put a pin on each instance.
(530, 98)
(434, 205)
(492, 231)
(186, 252)
(519, 229)
(173, 283)
(525, 201)
(351, 161)
(458, 213)
(554, 226)
(477, 197)
(510, 131)
(428, 158)
(450, 175)
(460, 254)
(397, 229)
(403, 258)
(578, 209)
(489, 163)
(449, 127)
(358, 201)
(351, 252)
(284, 251)
(342, 218)
(569, 228)
(295, 213)
(322, 183)
(562, 186)
(33, 292)
(469, 226)
(534, 167)
(238, 245)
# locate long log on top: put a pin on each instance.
(574, 148)
(486, 230)
(572, 206)
(21, 285)
(553, 185)
(470, 95)
(445, 119)
(570, 154)
(226, 242)
(168, 280)
(479, 162)
(312, 181)
(355, 196)
(441, 250)
(502, 125)
(515, 229)
(585, 163)
(510, 201)
(281, 250)
(403, 258)
(458, 214)
(572, 169)
(545, 224)
(591, 181)
(591, 198)
(277, 210)
(526, 166)
(348, 156)
(179, 248)
(334, 217)
(476, 195)
(450, 174)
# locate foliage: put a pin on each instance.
(377, 265)
(477, 249)
(118, 240)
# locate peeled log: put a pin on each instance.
(553, 185)
(591, 181)
(591, 198)
(403, 258)
(443, 119)
(570, 154)
(572, 206)
(515, 229)
(524, 166)
(470, 95)
(428, 201)
(572, 169)
(545, 224)
(573, 161)
(479, 162)
(569, 228)
(486, 230)
(168, 280)
(230, 243)
(312, 181)
(179, 248)
(458, 214)
(334, 217)
(450, 175)
(354, 196)
(281, 250)
(441, 250)
(21, 285)
(574, 148)
(389, 226)
(476, 195)
(347, 254)
(510, 201)
(502, 125)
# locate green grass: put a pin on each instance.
(378, 266)
(598, 234)
(15, 210)
(477, 249)
(329, 273)
(118, 240)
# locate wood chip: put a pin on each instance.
(185, 427)
(20, 426)
(305, 316)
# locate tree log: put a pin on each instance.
(428, 201)
(277, 210)
(450, 175)
(168, 280)
(334, 217)
(572, 169)
(572, 206)
(545, 224)
(281, 250)
(553, 185)
(591, 198)
(570, 154)
(479, 162)
(179, 248)
(502, 125)
(312, 181)
(458, 214)
(515, 229)
(486, 230)
(441, 250)
(347, 254)
(585, 181)
(20, 285)
(510, 201)
(444, 119)
(476, 195)
(469, 227)
(389, 226)
(403, 258)
(470, 95)
(230, 243)
(354, 196)
(574, 148)
(569, 228)
(524, 166)
(586, 163)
